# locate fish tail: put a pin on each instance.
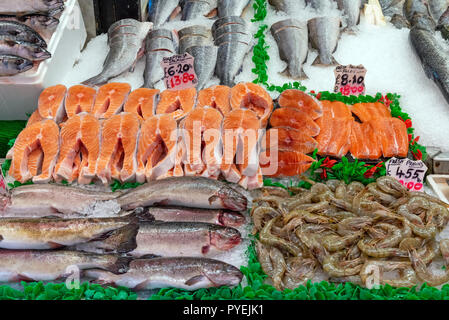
(94, 81)
(319, 62)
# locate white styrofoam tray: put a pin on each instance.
(439, 184)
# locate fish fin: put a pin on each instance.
(174, 13)
(120, 266)
(320, 63)
(95, 81)
(212, 14)
(149, 256)
(195, 280)
(141, 286)
(54, 245)
(302, 75)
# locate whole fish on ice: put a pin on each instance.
(12, 65)
(43, 24)
(324, 33)
(13, 46)
(23, 7)
(199, 8)
(21, 32)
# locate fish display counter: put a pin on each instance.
(234, 149)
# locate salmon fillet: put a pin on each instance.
(392, 135)
(44, 135)
(364, 144)
(79, 99)
(253, 97)
(110, 99)
(296, 119)
(202, 140)
(336, 109)
(240, 141)
(284, 162)
(51, 103)
(121, 129)
(142, 102)
(334, 138)
(157, 147)
(370, 111)
(288, 138)
(177, 102)
(80, 131)
(217, 97)
(298, 99)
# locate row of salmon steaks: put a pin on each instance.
(82, 134)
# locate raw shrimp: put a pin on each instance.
(353, 224)
(425, 275)
(299, 270)
(259, 215)
(391, 186)
(384, 197)
(269, 191)
(407, 275)
(335, 242)
(267, 238)
(373, 251)
(263, 255)
(279, 267)
(317, 250)
(410, 243)
(392, 237)
(332, 265)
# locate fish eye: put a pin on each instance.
(19, 62)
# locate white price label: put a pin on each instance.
(408, 172)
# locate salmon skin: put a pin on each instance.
(296, 119)
(119, 130)
(44, 134)
(253, 97)
(364, 142)
(216, 97)
(192, 239)
(298, 99)
(142, 102)
(157, 148)
(284, 162)
(51, 103)
(80, 131)
(370, 111)
(195, 192)
(187, 273)
(110, 99)
(289, 138)
(392, 135)
(177, 102)
(79, 99)
(50, 265)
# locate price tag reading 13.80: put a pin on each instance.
(179, 72)
(350, 80)
(408, 172)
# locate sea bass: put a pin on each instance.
(40, 200)
(180, 272)
(22, 7)
(125, 39)
(13, 46)
(12, 65)
(196, 192)
(43, 24)
(49, 265)
(324, 33)
(21, 32)
(51, 233)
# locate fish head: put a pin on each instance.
(53, 4)
(22, 64)
(223, 274)
(47, 21)
(230, 199)
(40, 53)
(231, 219)
(225, 238)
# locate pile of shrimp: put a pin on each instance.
(351, 232)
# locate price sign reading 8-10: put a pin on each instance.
(179, 72)
(350, 80)
(408, 172)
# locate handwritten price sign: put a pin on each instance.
(408, 172)
(179, 72)
(350, 80)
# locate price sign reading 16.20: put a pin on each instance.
(350, 80)
(179, 72)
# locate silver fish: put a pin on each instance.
(187, 42)
(11, 45)
(30, 265)
(191, 239)
(21, 32)
(230, 58)
(433, 57)
(437, 8)
(155, 50)
(351, 9)
(225, 218)
(22, 7)
(161, 10)
(198, 8)
(12, 65)
(324, 33)
(230, 28)
(233, 37)
(291, 36)
(124, 49)
(195, 30)
(160, 33)
(414, 6)
(225, 21)
(228, 8)
(195, 192)
(204, 63)
(40, 200)
(180, 272)
(43, 24)
(288, 6)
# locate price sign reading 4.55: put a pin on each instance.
(179, 72)
(350, 80)
(408, 172)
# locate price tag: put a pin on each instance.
(3, 185)
(350, 80)
(179, 72)
(408, 172)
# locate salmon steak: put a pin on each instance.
(252, 182)
(240, 143)
(43, 135)
(202, 141)
(284, 162)
(253, 97)
(364, 144)
(334, 138)
(392, 136)
(288, 138)
(142, 102)
(119, 131)
(177, 102)
(157, 149)
(35, 117)
(336, 109)
(79, 133)
(370, 111)
(298, 99)
(217, 97)
(110, 99)
(296, 119)
(79, 99)
(51, 103)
